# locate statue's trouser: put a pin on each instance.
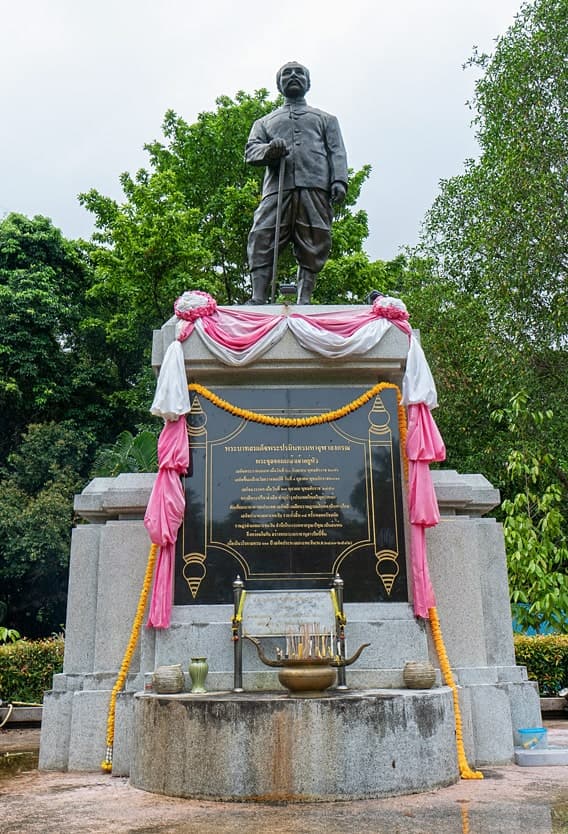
(306, 284)
(261, 279)
(306, 220)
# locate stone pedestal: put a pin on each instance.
(108, 560)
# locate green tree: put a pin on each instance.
(36, 513)
(41, 279)
(56, 362)
(182, 223)
(474, 373)
(65, 389)
(500, 230)
(534, 523)
(492, 300)
(497, 236)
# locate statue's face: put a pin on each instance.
(294, 80)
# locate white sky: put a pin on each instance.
(84, 84)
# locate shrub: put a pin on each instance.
(27, 667)
(546, 659)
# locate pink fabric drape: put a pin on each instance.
(424, 445)
(239, 330)
(164, 515)
(345, 324)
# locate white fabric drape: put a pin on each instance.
(418, 384)
(242, 357)
(171, 399)
(334, 346)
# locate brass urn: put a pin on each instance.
(307, 677)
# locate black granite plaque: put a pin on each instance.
(287, 508)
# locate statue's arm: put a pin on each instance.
(257, 145)
(336, 153)
(260, 149)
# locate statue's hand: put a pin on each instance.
(338, 192)
(276, 149)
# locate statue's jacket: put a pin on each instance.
(316, 156)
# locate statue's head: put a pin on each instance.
(293, 80)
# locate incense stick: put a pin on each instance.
(309, 641)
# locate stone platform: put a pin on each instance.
(267, 746)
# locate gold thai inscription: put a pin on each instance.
(276, 509)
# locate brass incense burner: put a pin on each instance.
(306, 676)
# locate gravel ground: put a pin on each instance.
(510, 799)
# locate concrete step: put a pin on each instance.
(553, 705)
(20, 714)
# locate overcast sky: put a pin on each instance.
(85, 84)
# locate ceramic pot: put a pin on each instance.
(419, 674)
(308, 678)
(198, 669)
(168, 680)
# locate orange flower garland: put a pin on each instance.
(314, 420)
(106, 764)
(465, 771)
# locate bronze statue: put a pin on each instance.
(306, 172)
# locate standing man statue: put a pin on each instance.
(313, 178)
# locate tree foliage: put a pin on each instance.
(64, 388)
(55, 360)
(497, 239)
(500, 231)
(129, 453)
(41, 278)
(183, 221)
(534, 522)
(491, 293)
(36, 513)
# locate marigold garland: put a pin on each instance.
(465, 771)
(316, 419)
(106, 764)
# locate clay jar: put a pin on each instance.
(419, 674)
(168, 680)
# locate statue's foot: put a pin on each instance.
(255, 301)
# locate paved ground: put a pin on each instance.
(510, 800)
